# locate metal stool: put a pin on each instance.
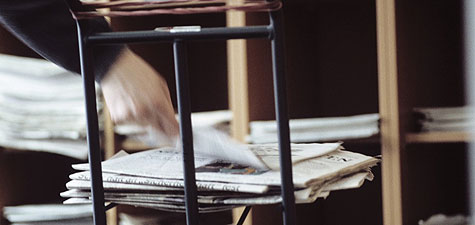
(273, 32)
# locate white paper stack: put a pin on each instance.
(49, 214)
(154, 178)
(441, 219)
(41, 107)
(149, 138)
(318, 129)
(445, 118)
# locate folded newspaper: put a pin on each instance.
(445, 118)
(317, 129)
(154, 178)
(49, 214)
(42, 107)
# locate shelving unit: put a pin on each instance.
(331, 71)
(313, 76)
(420, 65)
(21, 172)
(344, 57)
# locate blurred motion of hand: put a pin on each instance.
(136, 93)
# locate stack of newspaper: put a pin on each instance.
(445, 118)
(440, 219)
(147, 137)
(225, 179)
(49, 214)
(318, 129)
(41, 107)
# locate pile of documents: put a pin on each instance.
(318, 129)
(49, 214)
(445, 118)
(41, 107)
(226, 179)
(440, 219)
(147, 137)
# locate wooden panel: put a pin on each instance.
(331, 71)
(237, 79)
(110, 146)
(431, 171)
(30, 177)
(109, 135)
(389, 112)
(428, 56)
(429, 61)
(331, 65)
(331, 58)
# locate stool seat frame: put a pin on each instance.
(272, 32)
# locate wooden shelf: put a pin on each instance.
(440, 137)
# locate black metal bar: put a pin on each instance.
(97, 191)
(280, 95)
(158, 36)
(110, 206)
(184, 112)
(244, 215)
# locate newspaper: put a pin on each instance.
(445, 118)
(317, 129)
(306, 195)
(318, 123)
(146, 137)
(81, 184)
(42, 107)
(168, 160)
(441, 219)
(447, 125)
(349, 182)
(154, 178)
(165, 207)
(201, 185)
(166, 164)
(49, 214)
(446, 113)
(211, 143)
(71, 148)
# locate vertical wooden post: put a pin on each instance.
(109, 151)
(237, 79)
(389, 111)
(238, 89)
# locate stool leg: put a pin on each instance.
(277, 42)
(97, 190)
(184, 111)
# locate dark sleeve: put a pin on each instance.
(47, 27)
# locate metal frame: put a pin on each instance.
(273, 32)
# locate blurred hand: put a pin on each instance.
(136, 93)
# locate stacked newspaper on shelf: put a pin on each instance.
(41, 107)
(318, 129)
(441, 219)
(49, 214)
(154, 178)
(445, 118)
(146, 136)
